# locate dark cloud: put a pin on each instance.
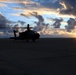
(17, 28)
(36, 15)
(54, 4)
(70, 7)
(71, 24)
(36, 4)
(57, 22)
(7, 27)
(24, 15)
(21, 22)
(39, 17)
(3, 22)
(28, 4)
(40, 24)
(65, 6)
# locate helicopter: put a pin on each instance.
(26, 35)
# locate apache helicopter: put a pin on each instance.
(26, 35)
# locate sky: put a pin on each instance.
(50, 18)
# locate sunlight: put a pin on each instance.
(74, 35)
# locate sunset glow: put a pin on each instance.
(48, 17)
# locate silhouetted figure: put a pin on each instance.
(15, 33)
(28, 28)
(27, 35)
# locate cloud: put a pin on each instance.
(3, 22)
(56, 7)
(57, 33)
(25, 15)
(57, 22)
(71, 24)
(21, 22)
(39, 17)
(36, 15)
(35, 5)
(60, 6)
(6, 30)
(4, 0)
(2, 5)
(40, 24)
(37, 8)
(17, 28)
(65, 6)
(68, 7)
(53, 4)
(42, 27)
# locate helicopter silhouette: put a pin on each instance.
(26, 35)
